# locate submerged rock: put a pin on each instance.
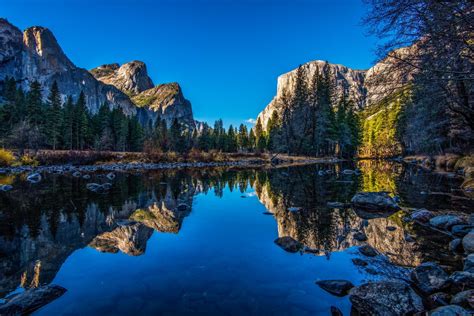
(385, 298)
(336, 205)
(446, 221)
(289, 244)
(429, 277)
(110, 176)
(336, 287)
(31, 300)
(374, 201)
(449, 310)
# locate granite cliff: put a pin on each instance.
(35, 55)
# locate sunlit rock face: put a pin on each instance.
(167, 102)
(364, 87)
(130, 239)
(346, 80)
(167, 214)
(131, 78)
(36, 55)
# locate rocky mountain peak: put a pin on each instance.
(132, 77)
(41, 42)
(347, 81)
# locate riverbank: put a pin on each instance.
(60, 162)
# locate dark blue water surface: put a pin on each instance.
(198, 242)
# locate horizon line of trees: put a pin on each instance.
(30, 121)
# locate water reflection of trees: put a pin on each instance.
(42, 224)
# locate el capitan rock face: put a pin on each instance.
(36, 55)
(363, 87)
(346, 79)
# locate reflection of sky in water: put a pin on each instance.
(223, 260)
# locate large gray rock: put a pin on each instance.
(429, 277)
(385, 298)
(336, 287)
(468, 242)
(31, 300)
(422, 215)
(374, 201)
(450, 310)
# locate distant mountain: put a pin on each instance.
(165, 100)
(36, 55)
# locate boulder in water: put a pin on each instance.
(429, 277)
(374, 201)
(110, 176)
(31, 300)
(388, 298)
(336, 287)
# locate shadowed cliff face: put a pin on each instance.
(36, 55)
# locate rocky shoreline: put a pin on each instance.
(429, 288)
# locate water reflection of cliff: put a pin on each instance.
(43, 225)
(299, 203)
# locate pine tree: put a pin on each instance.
(252, 141)
(273, 131)
(243, 137)
(82, 130)
(68, 124)
(34, 104)
(231, 145)
(54, 117)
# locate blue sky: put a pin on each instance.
(226, 54)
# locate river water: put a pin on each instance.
(201, 241)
